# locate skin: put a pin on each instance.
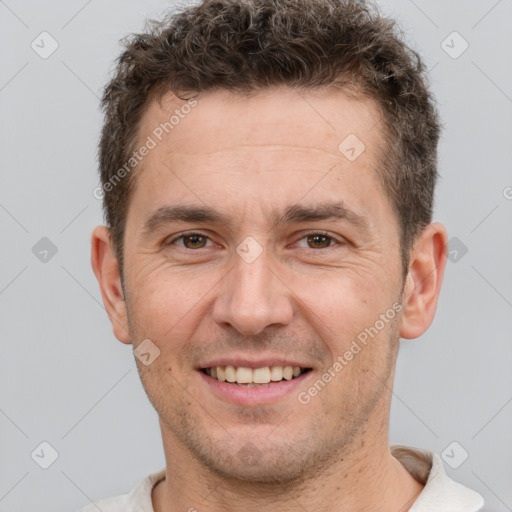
(306, 298)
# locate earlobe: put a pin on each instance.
(423, 282)
(106, 269)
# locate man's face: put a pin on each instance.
(270, 284)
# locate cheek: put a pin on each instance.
(343, 303)
(166, 304)
(164, 385)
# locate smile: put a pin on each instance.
(254, 377)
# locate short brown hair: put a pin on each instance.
(250, 45)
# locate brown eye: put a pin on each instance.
(318, 241)
(194, 241)
(190, 241)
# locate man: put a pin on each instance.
(268, 171)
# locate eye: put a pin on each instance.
(314, 240)
(190, 240)
(319, 240)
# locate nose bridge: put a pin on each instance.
(252, 297)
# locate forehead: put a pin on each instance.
(314, 119)
(274, 144)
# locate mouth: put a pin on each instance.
(254, 377)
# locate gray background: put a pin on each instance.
(66, 380)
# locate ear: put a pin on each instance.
(106, 270)
(423, 283)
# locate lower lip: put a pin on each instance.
(257, 395)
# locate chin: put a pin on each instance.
(258, 461)
(263, 471)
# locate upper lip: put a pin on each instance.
(253, 363)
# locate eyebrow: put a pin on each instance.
(292, 214)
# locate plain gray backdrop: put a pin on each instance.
(67, 382)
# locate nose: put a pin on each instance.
(252, 297)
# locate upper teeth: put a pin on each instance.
(244, 375)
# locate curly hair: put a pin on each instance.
(248, 45)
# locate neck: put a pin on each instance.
(366, 478)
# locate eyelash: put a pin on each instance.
(305, 235)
